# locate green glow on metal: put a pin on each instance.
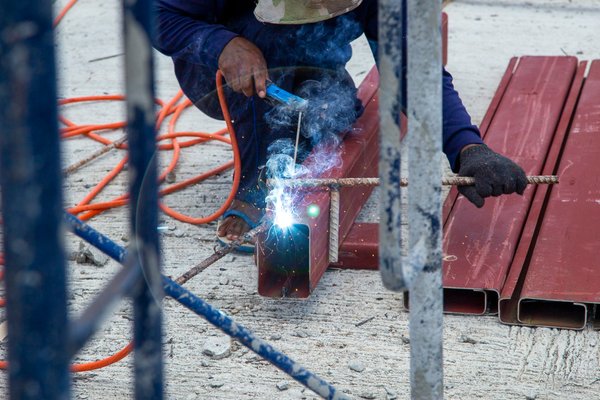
(313, 211)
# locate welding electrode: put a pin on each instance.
(279, 96)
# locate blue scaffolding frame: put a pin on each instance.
(42, 341)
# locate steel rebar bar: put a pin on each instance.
(446, 181)
(221, 252)
(334, 224)
(105, 149)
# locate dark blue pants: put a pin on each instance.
(308, 60)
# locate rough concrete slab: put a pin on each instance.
(483, 359)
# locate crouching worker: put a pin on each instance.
(303, 47)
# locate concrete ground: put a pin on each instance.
(483, 359)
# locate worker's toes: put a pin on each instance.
(236, 228)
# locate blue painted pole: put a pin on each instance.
(32, 203)
(139, 77)
(214, 316)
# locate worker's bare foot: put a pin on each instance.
(239, 219)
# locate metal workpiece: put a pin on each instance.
(30, 178)
(292, 261)
(390, 89)
(138, 19)
(425, 200)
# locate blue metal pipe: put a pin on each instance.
(248, 339)
(214, 316)
(138, 21)
(32, 204)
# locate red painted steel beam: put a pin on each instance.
(290, 265)
(360, 250)
(511, 292)
(479, 244)
(562, 277)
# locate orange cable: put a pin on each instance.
(72, 130)
(63, 12)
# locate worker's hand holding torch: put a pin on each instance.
(244, 67)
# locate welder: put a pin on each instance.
(302, 46)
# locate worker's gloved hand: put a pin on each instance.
(244, 67)
(494, 174)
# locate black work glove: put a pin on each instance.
(494, 174)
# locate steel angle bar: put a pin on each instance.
(216, 317)
(479, 244)
(291, 261)
(30, 178)
(138, 19)
(509, 298)
(562, 275)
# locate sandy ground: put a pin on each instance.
(483, 359)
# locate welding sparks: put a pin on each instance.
(283, 219)
(280, 205)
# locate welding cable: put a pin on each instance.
(73, 130)
(63, 12)
(236, 162)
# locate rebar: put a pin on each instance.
(350, 182)
(105, 149)
(334, 224)
(222, 252)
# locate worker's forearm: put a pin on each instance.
(458, 130)
(182, 34)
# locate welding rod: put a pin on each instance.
(105, 149)
(447, 181)
(222, 252)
